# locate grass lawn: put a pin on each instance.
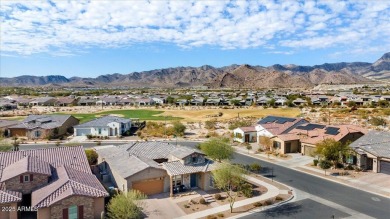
(141, 114)
(201, 115)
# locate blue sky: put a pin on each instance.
(90, 38)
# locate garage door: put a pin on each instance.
(309, 151)
(81, 132)
(150, 187)
(385, 167)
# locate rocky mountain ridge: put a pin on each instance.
(233, 76)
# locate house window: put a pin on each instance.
(72, 212)
(100, 131)
(26, 178)
(194, 159)
(177, 180)
(211, 182)
(276, 144)
(37, 134)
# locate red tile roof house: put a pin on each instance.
(56, 182)
(303, 138)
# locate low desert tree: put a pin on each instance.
(179, 128)
(266, 142)
(210, 124)
(248, 147)
(126, 205)
(271, 102)
(325, 164)
(332, 150)
(217, 149)
(92, 156)
(229, 178)
(15, 143)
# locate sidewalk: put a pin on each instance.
(376, 183)
(272, 192)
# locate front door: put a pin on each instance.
(247, 138)
(193, 180)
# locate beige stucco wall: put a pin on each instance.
(14, 183)
(204, 183)
(43, 213)
(9, 211)
(98, 206)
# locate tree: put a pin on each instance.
(126, 205)
(15, 144)
(248, 147)
(266, 142)
(230, 179)
(290, 103)
(325, 164)
(235, 102)
(255, 167)
(271, 102)
(217, 149)
(170, 100)
(332, 150)
(179, 128)
(92, 156)
(351, 103)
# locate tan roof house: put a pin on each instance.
(154, 167)
(50, 183)
(303, 138)
(43, 126)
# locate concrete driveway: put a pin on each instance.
(161, 206)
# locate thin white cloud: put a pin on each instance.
(66, 27)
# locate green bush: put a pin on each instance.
(257, 204)
(255, 167)
(278, 198)
(221, 215)
(92, 156)
(246, 190)
(217, 196)
(202, 201)
(211, 217)
(315, 162)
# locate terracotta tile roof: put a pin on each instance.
(7, 196)
(280, 125)
(66, 182)
(27, 164)
(314, 133)
(248, 129)
(70, 173)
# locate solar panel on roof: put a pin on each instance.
(309, 127)
(332, 130)
(276, 119)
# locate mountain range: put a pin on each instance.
(233, 76)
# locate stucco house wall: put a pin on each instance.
(14, 183)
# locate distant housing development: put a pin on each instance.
(104, 126)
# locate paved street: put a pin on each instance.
(354, 199)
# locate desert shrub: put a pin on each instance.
(279, 198)
(377, 121)
(339, 165)
(92, 156)
(193, 201)
(89, 136)
(255, 167)
(220, 114)
(239, 123)
(217, 196)
(220, 215)
(210, 124)
(246, 190)
(315, 162)
(98, 143)
(202, 201)
(268, 202)
(313, 110)
(179, 128)
(257, 204)
(211, 217)
(186, 206)
(349, 167)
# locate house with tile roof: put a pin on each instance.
(304, 137)
(270, 126)
(103, 126)
(155, 167)
(43, 126)
(372, 152)
(245, 134)
(53, 182)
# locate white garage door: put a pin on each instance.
(81, 132)
(385, 167)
